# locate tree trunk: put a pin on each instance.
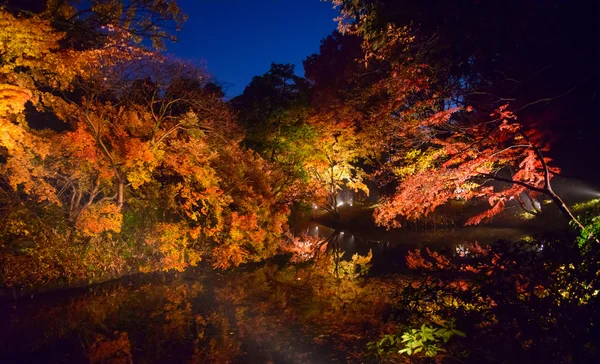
(120, 194)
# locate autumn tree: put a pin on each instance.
(445, 136)
(273, 110)
(338, 111)
(36, 70)
(144, 171)
(83, 23)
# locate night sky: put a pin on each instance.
(238, 39)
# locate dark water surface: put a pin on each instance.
(390, 248)
(263, 314)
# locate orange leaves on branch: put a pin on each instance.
(139, 162)
(98, 218)
(246, 227)
(13, 99)
(303, 247)
(28, 43)
(175, 246)
(148, 152)
(462, 164)
(440, 118)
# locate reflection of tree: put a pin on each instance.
(311, 311)
(215, 342)
(106, 350)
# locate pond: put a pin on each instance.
(390, 247)
(265, 313)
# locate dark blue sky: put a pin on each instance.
(238, 39)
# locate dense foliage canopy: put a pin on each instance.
(116, 159)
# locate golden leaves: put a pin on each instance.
(175, 246)
(26, 42)
(139, 162)
(225, 256)
(13, 99)
(98, 218)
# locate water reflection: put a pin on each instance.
(390, 248)
(318, 311)
(289, 314)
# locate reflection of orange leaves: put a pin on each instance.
(115, 351)
(459, 285)
(98, 218)
(414, 260)
(471, 269)
(225, 256)
(521, 284)
(478, 249)
(441, 261)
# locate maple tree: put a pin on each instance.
(334, 165)
(462, 165)
(142, 159)
(437, 146)
(83, 21)
(340, 90)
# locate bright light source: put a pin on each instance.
(462, 250)
(340, 204)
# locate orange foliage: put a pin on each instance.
(459, 166)
(148, 162)
(174, 246)
(98, 218)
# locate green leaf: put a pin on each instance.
(428, 336)
(459, 333)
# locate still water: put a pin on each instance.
(389, 248)
(269, 313)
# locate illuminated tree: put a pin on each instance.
(460, 71)
(140, 157)
(437, 149)
(83, 22)
(273, 110)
